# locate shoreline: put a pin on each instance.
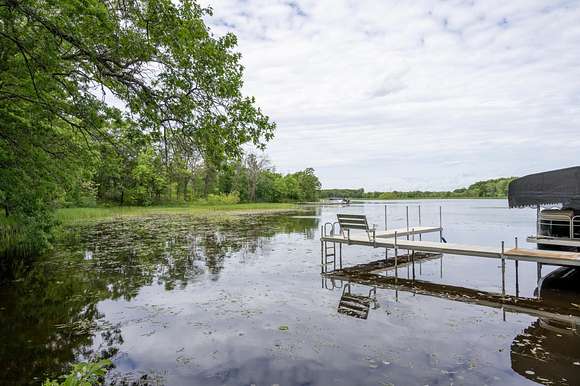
(72, 216)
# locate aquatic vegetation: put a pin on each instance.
(56, 301)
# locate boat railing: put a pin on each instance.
(572, 223)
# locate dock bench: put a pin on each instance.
(355, 221)
(360, 222)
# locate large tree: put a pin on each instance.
(70, 70)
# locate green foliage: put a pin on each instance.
(62, 140)
(223, 199)
(494, 188)
(257, 181)
(352, 193)
(148, 182)
(83, 374)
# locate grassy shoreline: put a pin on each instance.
(75, 215)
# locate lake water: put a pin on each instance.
(175, 300)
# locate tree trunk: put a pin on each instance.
(207, 180)
(185, 195)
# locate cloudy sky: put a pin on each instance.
(412, 94)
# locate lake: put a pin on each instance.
(178, 300)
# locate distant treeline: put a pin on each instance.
(494, 188)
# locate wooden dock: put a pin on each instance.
(354, 229)
(403, 232)
(382, 240)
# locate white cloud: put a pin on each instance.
(406, 95)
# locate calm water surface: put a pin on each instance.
(240, 301)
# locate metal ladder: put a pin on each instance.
(328, 249)
(357, 306)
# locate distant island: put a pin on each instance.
(494, 188)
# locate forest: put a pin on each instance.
(493, 188)
(101, 104)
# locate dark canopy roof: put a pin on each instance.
(554, 187)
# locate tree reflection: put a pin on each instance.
(50, 316)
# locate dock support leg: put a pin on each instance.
(502, 269)
(517, 273)
(334, 257)
(517, 280)
(413, 254)
(396, 253)
(440, 225)
(413, 263)
(386, 218)
(420, 238)
(539, 269)
(340, 254)
(407, 222)
(407, 240)
(321, 256)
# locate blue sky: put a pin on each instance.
(412, 95)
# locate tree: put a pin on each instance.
(308, 184)
(64, 62)
(255, 166)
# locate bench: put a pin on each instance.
(355, 221)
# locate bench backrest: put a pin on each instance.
(352, 221)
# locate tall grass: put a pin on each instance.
(74, 215)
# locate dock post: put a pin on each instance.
(396, 253)
(386, 218)
(539, 271)
(321, 250)
(440, 225)
(340, 254)
(538, 223)
(407, 222)
(502, 269)
(517, 273)
(420, 238)
(413, 255)
(441, 238)
(333, 257)
(407, 239)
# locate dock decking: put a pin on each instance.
(406, 232)
(538, 256)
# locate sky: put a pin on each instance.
(405, 95)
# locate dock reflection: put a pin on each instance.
(355, 304)
(548, 351)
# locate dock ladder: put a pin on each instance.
(328, 249)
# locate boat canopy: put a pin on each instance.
(560, 186)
